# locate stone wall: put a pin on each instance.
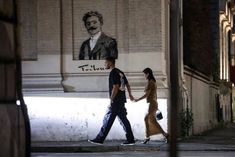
(233, 103)
(202, 101)
(12, 132)
(68, 117)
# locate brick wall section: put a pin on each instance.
(48, 27)
(214, 21)
(28, 29)
(197, 35)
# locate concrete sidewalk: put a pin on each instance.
(222, 139)
(85, 146)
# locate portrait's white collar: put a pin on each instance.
(96, 36)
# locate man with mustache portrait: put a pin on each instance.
(99, 45)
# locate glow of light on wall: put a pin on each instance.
(73, 119)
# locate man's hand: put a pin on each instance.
(131, 97)
(136, 100)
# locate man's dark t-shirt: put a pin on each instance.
(116, 76)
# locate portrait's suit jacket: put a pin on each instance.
(105, 47)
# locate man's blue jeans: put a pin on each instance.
(120, 111)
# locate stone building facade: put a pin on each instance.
(67, 97)
(208, 49)
(51, 67)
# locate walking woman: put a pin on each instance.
(151, 124)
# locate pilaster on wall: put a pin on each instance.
(40, 34)
(28, 17)
(226, 38)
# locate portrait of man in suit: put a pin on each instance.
(99, 45)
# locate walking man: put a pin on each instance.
(117, 84)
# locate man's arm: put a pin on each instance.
(114, 92)
(129, 91)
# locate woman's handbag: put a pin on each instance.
(159, 115)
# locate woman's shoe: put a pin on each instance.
(146, 141)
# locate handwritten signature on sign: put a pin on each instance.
(87, 67)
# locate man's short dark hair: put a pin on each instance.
(110, 59)
(93, 13)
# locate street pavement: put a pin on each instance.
(139, 154)
(219, 142)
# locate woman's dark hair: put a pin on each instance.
(150, 72)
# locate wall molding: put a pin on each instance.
(44, 82)
(200, 76)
